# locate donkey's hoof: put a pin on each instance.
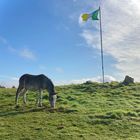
(17, 106)
(39, 105)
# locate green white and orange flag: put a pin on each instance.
(94, 15)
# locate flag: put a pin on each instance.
(93, 15)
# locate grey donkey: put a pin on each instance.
(38, 83)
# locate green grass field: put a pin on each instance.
(83, 112)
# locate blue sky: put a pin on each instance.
(47, 36)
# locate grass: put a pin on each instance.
(84, 112)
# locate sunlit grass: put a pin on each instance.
(86, 111)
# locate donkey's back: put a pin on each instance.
(35, 82)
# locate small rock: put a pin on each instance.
(128, 80)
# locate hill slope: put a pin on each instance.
(84, 112)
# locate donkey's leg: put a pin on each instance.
(20, 92)
(37, 99)
(40, 98)
(24, 96)
(17, 95)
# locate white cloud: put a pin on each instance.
(107, 78)
(8, 81)
(14, 78)
(121, 35)
(59, 70)
(3, 40)
(23, 52)
(28, 54)
(42, 67)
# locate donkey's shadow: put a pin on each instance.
(13, 111)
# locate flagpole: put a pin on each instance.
(102, 57)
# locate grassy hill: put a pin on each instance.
(83, 112)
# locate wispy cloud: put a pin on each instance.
(26, 53)
(3, 40)
(59, 69)
(23, 52)
(121, 35)
(8, 77)
(8, 81)
(42, 67)
(108, 78)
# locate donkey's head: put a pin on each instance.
(52, 99)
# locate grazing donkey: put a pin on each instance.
(39, 83)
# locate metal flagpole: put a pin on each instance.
(102, 57)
